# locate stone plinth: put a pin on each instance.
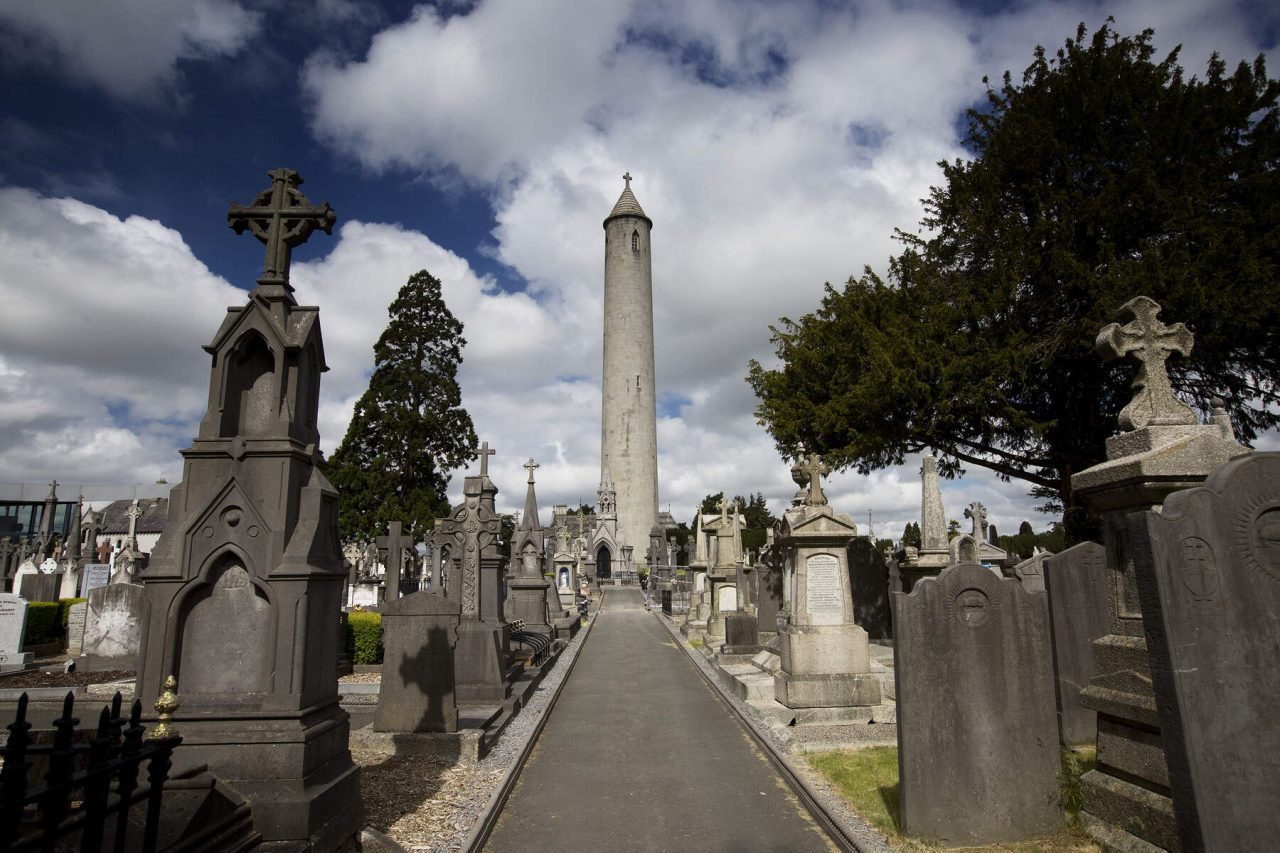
(826, 659)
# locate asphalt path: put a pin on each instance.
(640, 754)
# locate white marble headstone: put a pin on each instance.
(94, 576)
(13, 626)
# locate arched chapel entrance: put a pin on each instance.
(604, 568)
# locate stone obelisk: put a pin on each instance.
(629, 427)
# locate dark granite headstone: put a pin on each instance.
(417, 694)
(741, 634)
(1208, 573)
(1076, 582)
(869, 586)
(977, 740)
(768, 598)
(41, 587)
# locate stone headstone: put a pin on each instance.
(977, 739)
(869, 586)
(418, 693)
(1075, 581)
(13, 626)
(113, 632)
(93, 576)
(768, 597)
(741, 634)
(75, 627)
(1208, 573)
(40, 587)
(1031, 572)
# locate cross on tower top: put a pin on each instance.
(485, 452)
(815, 469)
(627, 177)
(531, 466)
(281, 217)
(1151, 342)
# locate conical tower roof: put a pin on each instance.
(627, 205)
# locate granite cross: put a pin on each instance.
(394, 543)
(281, 217)
(485, 452)
(814, 470)
(134, 512)
(531, 466)
(1150, 342)
(627, 177)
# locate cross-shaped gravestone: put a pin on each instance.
(485, 452)
(281, 217)
(978, 513)
(723, 506)
(1151, 342)
(814, 469)
(531, 466)
(133, 513)
(394, 544)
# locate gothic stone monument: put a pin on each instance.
(978, 752)
(526, 587)
(245, 585)
(1126, 802)
(1208, 572)
(826, 659)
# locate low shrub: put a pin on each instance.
(43, 625)
(64, 609)
(364, 637)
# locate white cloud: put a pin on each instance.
(129, 49)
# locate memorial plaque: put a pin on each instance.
(1208, 576)
(825, 598)
(93, 576)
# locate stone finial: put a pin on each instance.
(1150, 342)
(814, 469)
(165, 706)
(281, 217)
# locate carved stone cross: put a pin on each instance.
(814, 469)
(723, 506)
(1151, 342)
(627, 177)
(133, 513)
(485, 453)
(281, 217)
(978, 513)
(531, 466)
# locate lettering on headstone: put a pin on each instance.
(93, 576)
(825, 597)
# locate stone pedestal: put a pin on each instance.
(527, 600)
(826, 659)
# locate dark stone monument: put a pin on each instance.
(482, 657)
(245, 583)
(526, 586)
(869, 584)
(1075, 581)
(41, 587)
(741, 634)
(1162, 449)
(1208, 572)
(978, 756)
(418, 636)
(768, 594)
(391, 548)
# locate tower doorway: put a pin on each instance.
(604, 567)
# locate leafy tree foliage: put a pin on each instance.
(755, 512)
(1104, 175)
(409, 430)
(911, 534)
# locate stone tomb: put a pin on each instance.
(978, 756)
(13, 627)
(1208, 574)
(113, 622)
(419, 633)
(1076, 583)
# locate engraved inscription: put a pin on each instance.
(825, 598)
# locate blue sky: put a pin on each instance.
(775, 145)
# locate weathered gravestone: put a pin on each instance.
(113, 627)
(93, 576)
(75, 627)
(978, 756)
(741, 634)
(1075, 581)
(40, 586)
(245, 584)
(13, 627)
(1031, 572)
(1208, 573)
(419, 633)
(768, 596)
(869, 586)
(526, 587)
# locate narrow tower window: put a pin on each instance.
(635, 241)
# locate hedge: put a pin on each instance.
(64, 609)
(43, 625)
(364, 637)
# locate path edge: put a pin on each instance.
(812, 799)
(479, 835)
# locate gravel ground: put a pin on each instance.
(863, 835)
(431, 804)
(36, 678)
(361, 678)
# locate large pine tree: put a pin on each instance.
(409, 429)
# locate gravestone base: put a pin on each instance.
(15, 661)
(480, 667)
(258, 757)
(798, 690)
(1113, 810)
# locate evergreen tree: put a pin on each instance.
(409, 429)
(1106, 174)
(755, 512)
(911, 534)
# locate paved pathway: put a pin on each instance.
(641, 754)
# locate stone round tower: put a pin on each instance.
(629, 425)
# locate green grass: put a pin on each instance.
(696, 643)
(868, 780)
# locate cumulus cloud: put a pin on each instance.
(130, 50)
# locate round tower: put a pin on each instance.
(629, 419)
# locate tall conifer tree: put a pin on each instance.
(409, 429)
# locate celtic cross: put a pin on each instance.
(814, 469)
(281, 217)
(1151, 342)
(531, 466)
